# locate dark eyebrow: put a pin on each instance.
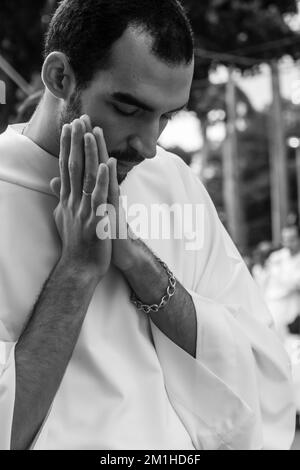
(127, 98)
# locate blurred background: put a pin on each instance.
(241, 132)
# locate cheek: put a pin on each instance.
(115, 133)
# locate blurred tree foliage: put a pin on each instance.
(242, 28)
(22, 28)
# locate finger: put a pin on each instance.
(90, 172)
(55, 185)
(114, 189)
(87, 123)
(76, 160)
(100, 192)
(102, 149)
(91, 162)
(64, 153)
(118, 223)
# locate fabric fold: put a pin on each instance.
(7, 392)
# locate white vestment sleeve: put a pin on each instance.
(236, 393)
(7, 387)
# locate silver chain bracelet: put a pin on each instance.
(165, 299)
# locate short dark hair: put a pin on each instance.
(85, 31)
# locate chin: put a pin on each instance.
(121, 175)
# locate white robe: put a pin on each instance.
(127, 386)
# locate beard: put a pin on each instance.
(73, 110)
(126, 159)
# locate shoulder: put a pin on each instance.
(277, 256)
(6, 143)
(9, 138)
(167, 159)
(177, 172)
(10, 147)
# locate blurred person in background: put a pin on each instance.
(103, 347)
(259, 269)
(281, 281)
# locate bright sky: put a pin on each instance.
(184, 129)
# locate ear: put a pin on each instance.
(58, 76)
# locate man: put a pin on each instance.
(108, 346)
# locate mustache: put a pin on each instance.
(126, 156)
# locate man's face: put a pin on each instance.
(290, 239)
(133, 100)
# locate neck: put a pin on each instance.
(43, 128)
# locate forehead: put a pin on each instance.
(136, 70)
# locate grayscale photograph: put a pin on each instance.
(149, 227)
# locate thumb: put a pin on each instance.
(55, 184)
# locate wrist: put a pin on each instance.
(153, 306)
(132, 260)
(85, 273)
(135, 261)
(146, 276)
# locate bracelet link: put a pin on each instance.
(166, 297)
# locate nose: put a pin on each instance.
(145, 141)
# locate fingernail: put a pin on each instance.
(98, 129)
(87, 138)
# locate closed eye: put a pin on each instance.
(125, 113)
(168, 116)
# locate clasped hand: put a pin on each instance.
(88, 179)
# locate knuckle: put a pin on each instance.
(71, 205)
(61, 164)
(73, 167)
(63, 200)
(81, 215)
